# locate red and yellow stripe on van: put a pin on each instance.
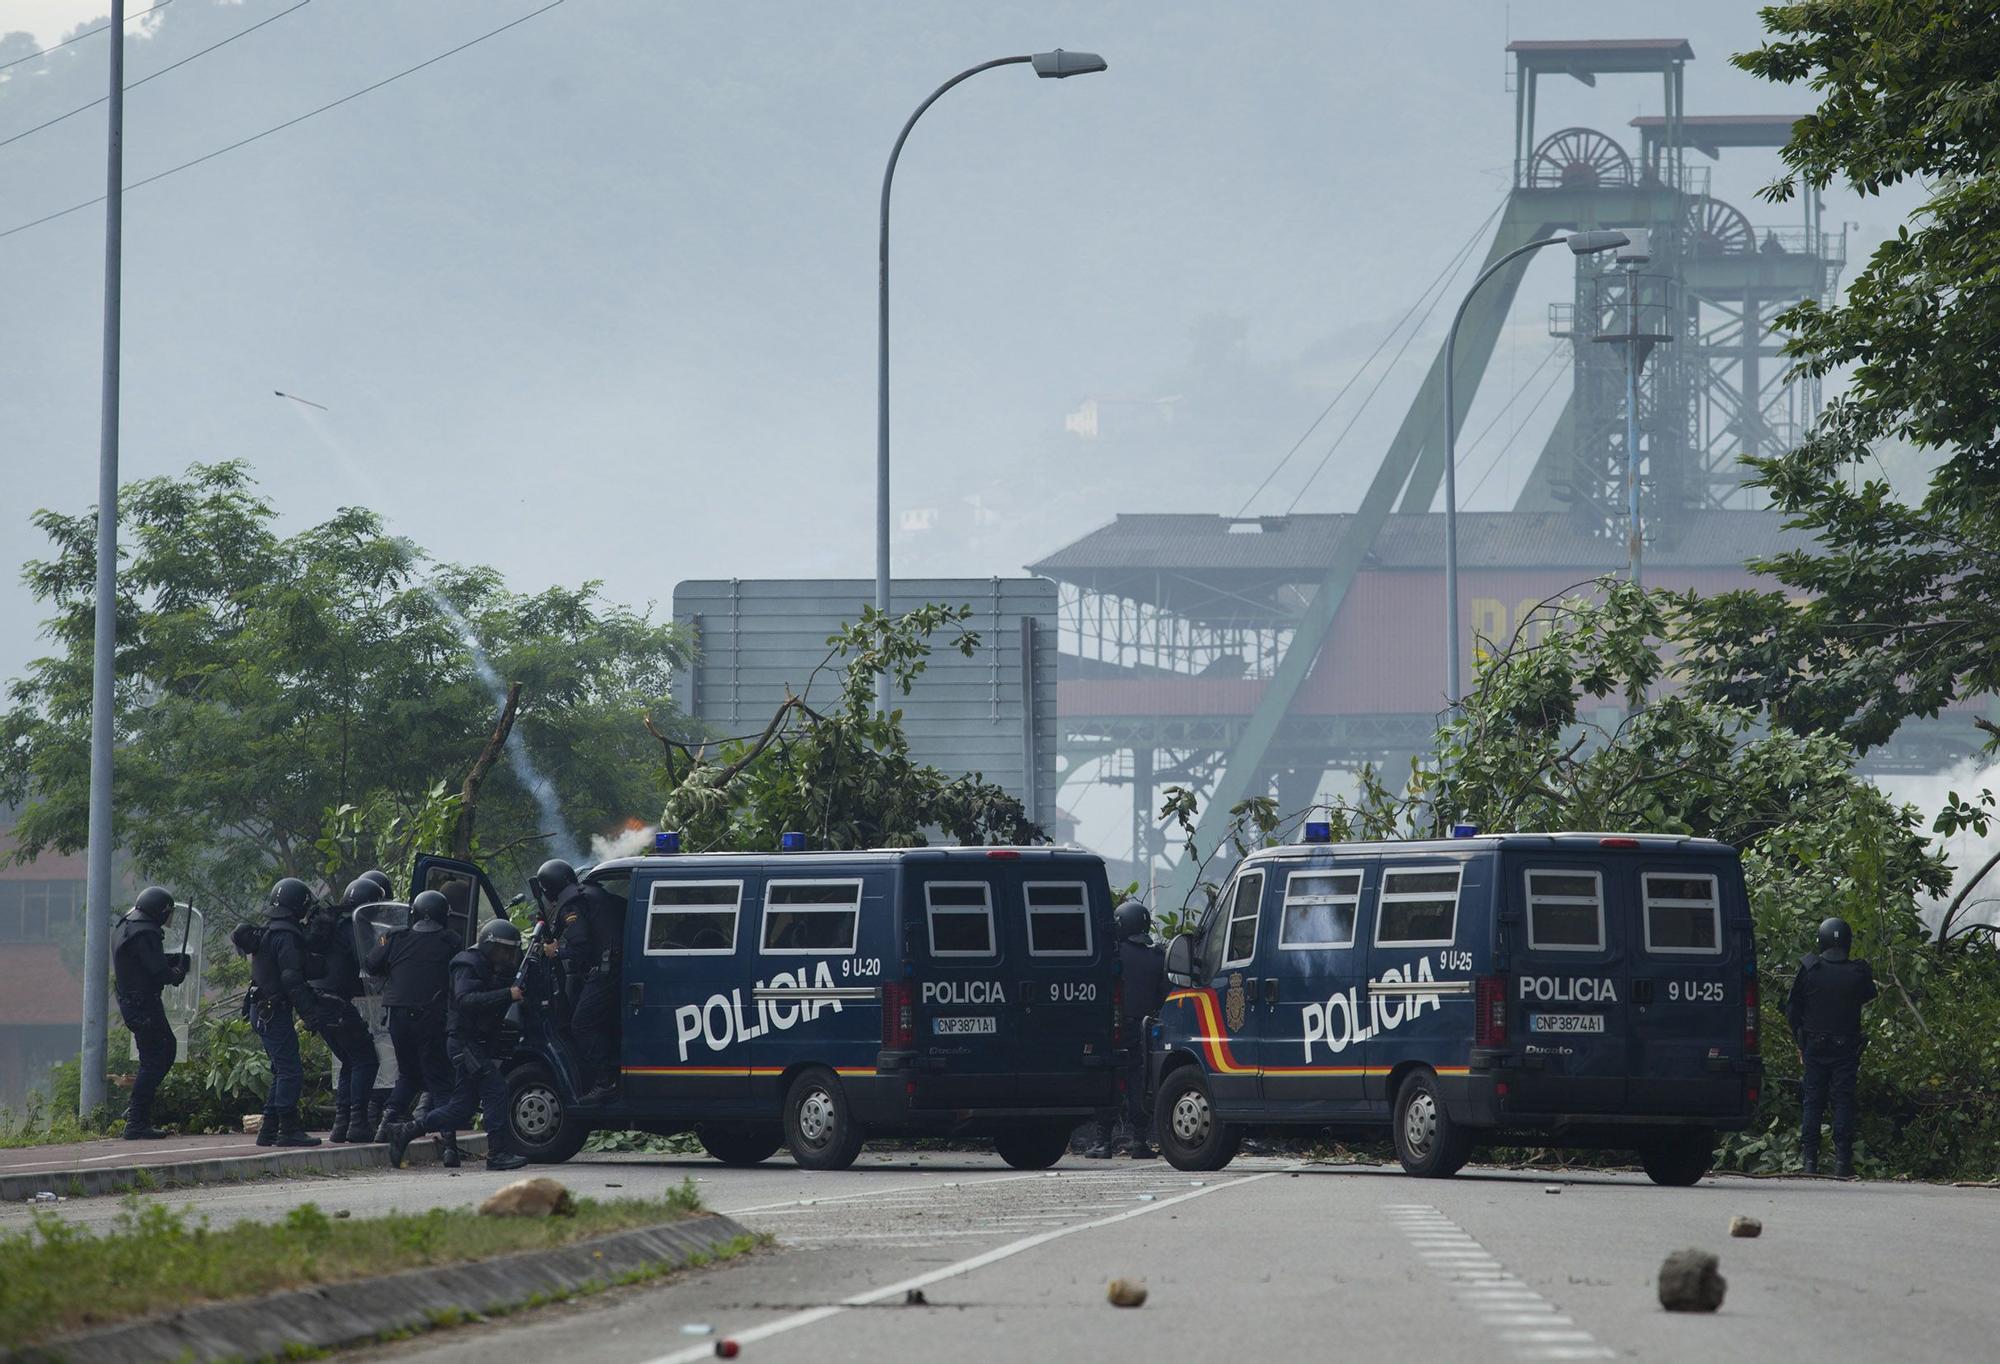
(1213, 1039)
(732, 1072)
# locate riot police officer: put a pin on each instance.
(1824, 1011)
(142, 969)
(590, 938)
(482, 990)
(337, 981)
(417, 962)
(279, 993)
(1142, 985)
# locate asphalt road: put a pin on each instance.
(1281, 1260)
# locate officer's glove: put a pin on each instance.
(177, 972)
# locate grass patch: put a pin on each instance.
(60, 1277)
(39, 1124)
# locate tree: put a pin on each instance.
(267, 681)
(1901, 602)
(842, 775)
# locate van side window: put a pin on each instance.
(810, 916)
(1058, 919)
(692, 918)
(1418, 907)
(1319, 909)
(961, 918)
(1241, 930)
(1683, 914)
(1565, 911)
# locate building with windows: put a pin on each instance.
(41, 959)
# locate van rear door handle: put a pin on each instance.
(1642, 991)
(1270, 989)
(635, 994)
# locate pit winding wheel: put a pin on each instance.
(1579, 158)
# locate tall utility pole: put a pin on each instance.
(103, 684)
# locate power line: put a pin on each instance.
(81, 108)
(81, 36)
(1526, 417)
(1449, 266)
(1380, 379)
(290, 122)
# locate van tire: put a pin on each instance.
(740, 1144)
(1428, 1143)
(820, 1126)
(1678, 1159)
(538, 1118)
(1184, 1121)
(1033, 1145)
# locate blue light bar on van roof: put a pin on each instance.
(1465, 831)
(667, 841)
(1318, 831)
(791, 841)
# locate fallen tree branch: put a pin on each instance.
(468, 795)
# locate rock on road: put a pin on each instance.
(1283, 1260)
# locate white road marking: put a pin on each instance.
(1500, 1298)
(874, 1295)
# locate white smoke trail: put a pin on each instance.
(624, 843)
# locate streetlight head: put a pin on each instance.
(1591, 243)
(1059, 64)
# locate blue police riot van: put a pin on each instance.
(1575, 989)
(813, 999)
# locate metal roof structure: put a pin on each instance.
(1710, 133)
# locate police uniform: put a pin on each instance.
(590, 937)
(1824, 1011)
(142, 969)
(279, 992)
(1143, 988)
(481, 992)
(417, 963)
(337, 1021)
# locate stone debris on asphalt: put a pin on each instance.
(1126, 1293)
(1690, 1282)
(1740, 1225)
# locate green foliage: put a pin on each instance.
(266, 680)
(843, 775)
(60, 1277)
(1892, 610)
(382, 832)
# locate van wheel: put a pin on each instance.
(1191, 1137)
(541, 1128)
(745, 1145)
(1428, 1143)
(1679, 1159)
(819, 1123)
(1032, 1146)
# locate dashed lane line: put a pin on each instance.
(1522, 1319)
(874, 1295)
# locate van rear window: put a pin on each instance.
(1319, 909)
(1565, 911)
(1058, 920)
(811, 916)
(1418, 907)
(1683, 914)
(961, 918)
(693, 918)
(1240, 940)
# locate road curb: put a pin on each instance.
(316, 1160)
(332, 1316)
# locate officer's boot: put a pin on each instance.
(371, 1123)
(1809, 1158)
(343, 1117)
(1102, 1148)
(1843, 1160)
(448, 1152)
(139, 1123)
(388, 1118)
(498, 1157)
(267, 1130)
(290, 1132)
(399, 1135)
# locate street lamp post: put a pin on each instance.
(1056, 65)
(1579, 243)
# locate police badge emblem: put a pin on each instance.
(1232, 1003)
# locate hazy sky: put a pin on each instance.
(595, 299)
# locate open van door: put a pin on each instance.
(465, 885)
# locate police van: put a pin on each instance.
(812, 999)
(1571, 989)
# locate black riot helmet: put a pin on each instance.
(429, 907)
(555, 877)
(291, 898)
(361, 891)
(499, 941)
(1835, 938)
(1134, 922)
(156, 903)
(381, 879)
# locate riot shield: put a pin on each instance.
(371, 924)
(183, 1001)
